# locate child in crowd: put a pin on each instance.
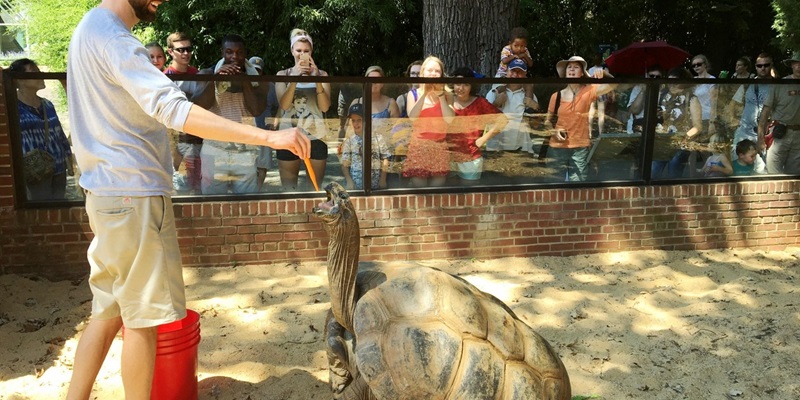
(746, 153)
(517, 49)
(353, 148)
(717, 164)
(157, 55)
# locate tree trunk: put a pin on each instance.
(468, 33)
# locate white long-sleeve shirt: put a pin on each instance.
(120, 107)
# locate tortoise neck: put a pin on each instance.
(343, 252)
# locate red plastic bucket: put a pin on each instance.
(175, 376)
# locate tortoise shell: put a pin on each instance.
(426, 334)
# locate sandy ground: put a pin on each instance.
(650, 324)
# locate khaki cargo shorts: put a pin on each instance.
(135, 260)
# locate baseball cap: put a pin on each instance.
(257, 62)
(519, 64)
(357, 108)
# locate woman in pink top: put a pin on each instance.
(569, 140)
(428, 160)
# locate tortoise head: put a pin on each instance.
(337, 209)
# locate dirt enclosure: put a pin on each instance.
(640, 325)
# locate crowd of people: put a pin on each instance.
(432, 134)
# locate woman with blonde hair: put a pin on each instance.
(303, 105)
(428, 160)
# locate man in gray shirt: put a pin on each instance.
(120, 107)
(782, 105)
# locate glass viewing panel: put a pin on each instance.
(493, 134)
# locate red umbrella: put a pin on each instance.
(636, 58)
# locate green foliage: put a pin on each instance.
(723, 30)
(348, 35)
(786, 23)
(50, 24)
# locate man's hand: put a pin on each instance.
(292, 139)
(230, 69)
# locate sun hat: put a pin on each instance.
(795, 58)
(518, 64)
(257, 62)
(561, 66)
(357, 108)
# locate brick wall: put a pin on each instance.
(412, 227)
(764, 214)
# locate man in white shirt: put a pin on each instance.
(512, 101)
(120, 108)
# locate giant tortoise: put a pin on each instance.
(420, 333)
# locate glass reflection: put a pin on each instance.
(491, 145)
(48, 167)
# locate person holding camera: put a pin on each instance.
(570, 137)
(303, 105)
(228, 166)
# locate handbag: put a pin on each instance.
(775, 130)
(38, 164)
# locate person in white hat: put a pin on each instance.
(793, 63)
(569, 124)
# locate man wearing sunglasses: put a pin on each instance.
(179, 47)
(782, 106)
(636, 101)
(187, 148)
(753, 97)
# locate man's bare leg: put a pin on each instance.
(92, 349)
(138, 361)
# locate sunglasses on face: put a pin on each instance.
(654, 75)
(764, 65)
(695, 65)
(183, 50)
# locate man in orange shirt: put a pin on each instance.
(570, 139)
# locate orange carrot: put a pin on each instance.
(311, 173)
